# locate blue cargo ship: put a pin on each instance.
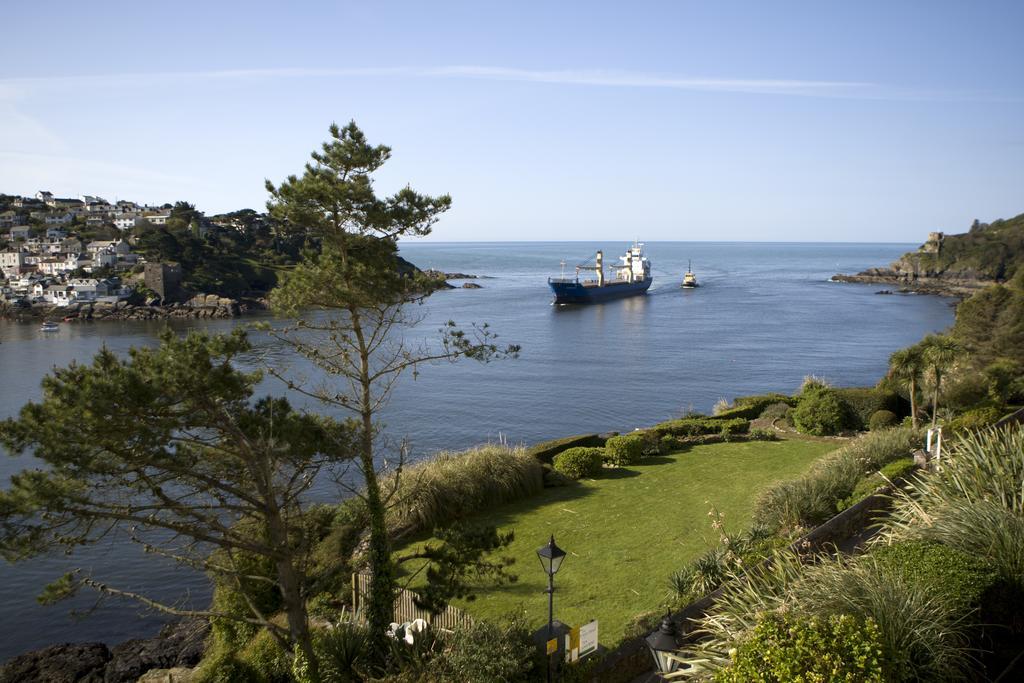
(631, 277)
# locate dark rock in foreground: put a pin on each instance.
(66, 663)
(178, 645)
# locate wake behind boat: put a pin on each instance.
(632, 277)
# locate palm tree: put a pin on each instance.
(939, 352)
(908, 365)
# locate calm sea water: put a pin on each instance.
(764, 317)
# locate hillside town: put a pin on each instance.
(58, 254)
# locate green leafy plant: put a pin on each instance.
(580, 462)
(624, 450)
(822, 412)
(882, 419)
(834, 649)
(897, 469)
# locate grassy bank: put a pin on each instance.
(626, 531)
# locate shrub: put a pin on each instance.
(223, 666)
(956, 577)
(774, 411)
(579, 462)
(624, 450)
(763, 435)
(697, 426)
(975, 503)
(813, 383)
(453, 485)
(485, 652)
(821, 412)
(865, 402)
(264, 655)
(547, 450)
(975, 419)
(340, 652)
(922, 638)
(896, 469)
(811, 498)
(882, 419)
(838, 648)
(668, 444)
(553, 478)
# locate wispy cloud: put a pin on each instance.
(582, 77)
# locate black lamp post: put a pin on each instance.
(551, 557)
(662, 643)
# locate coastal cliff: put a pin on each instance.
(955, 265)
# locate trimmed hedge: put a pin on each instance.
(882, 419)
(865, 402)
(545, 451)
(699, 426)
(625, 450)
(750, 407)
(578, 462)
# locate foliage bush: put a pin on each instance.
(697, 426)
(340, 652)
(453, 485)
(975, 419)
(868, 484)
(580, 462)
(775, 411)
(484, 653)
(834, 649)
(821, 412)
(865, 402)
(267, 659)
(546, 451)
(974, 503)
(811, 498)
(763, 435)
(882, 419)
(223, 666)
(624, 450)
(959, 579)
(669, 444)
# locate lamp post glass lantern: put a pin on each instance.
(662, 644)
(551, 557)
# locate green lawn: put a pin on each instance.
(626, 532)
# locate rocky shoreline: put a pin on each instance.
(206, 306)
(920, 284)
(178, 646)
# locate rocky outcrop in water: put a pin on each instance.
(179, 645)
(955, 265)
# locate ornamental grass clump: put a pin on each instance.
(811, 498)
(921, 636)
(453, 485)
(974, 502)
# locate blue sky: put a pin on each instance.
(677, 120)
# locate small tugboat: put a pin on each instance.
(689, 279)
(632, 277)
(49, 326)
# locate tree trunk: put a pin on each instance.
(935, 398)
(291, 593)
(913, 401)
(381, 601)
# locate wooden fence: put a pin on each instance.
(405, 607)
